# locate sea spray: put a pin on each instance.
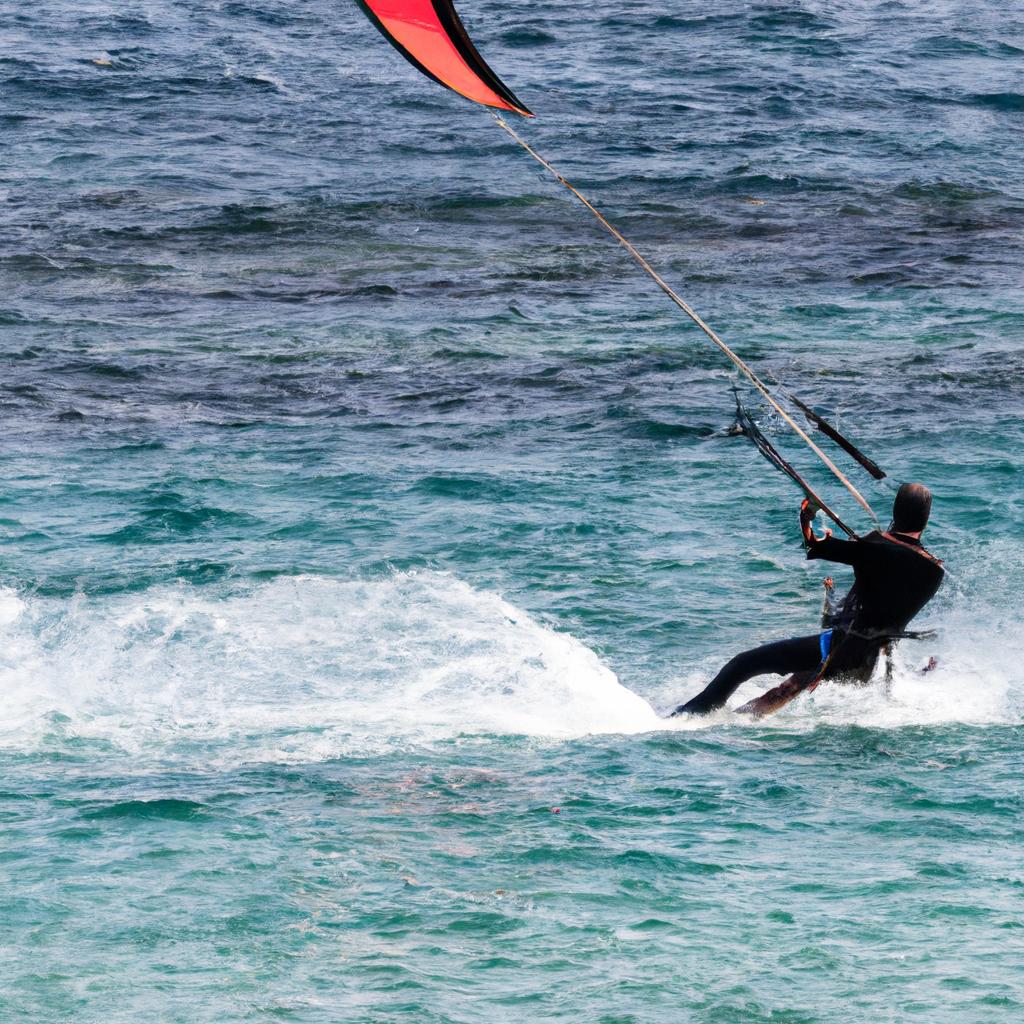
(300, 668)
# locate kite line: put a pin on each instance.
(696, 318)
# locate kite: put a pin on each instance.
(431, 37)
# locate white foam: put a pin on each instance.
(969, 686)
(11, 606)
(299, 668)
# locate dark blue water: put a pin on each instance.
(362, 503)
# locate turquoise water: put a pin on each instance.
(363, 510)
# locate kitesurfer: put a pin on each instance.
(894, 578)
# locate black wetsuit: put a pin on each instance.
(894, 578)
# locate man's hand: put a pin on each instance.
(808, 510)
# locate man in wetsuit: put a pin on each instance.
(894, 578)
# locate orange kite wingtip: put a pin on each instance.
(431, 37)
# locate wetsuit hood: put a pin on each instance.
(911, 508)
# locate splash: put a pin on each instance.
(297, 669)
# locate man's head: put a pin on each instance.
(911, 508)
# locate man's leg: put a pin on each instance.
(800, 654)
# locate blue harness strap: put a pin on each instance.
(825, 643)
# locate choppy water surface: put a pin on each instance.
(363, 509)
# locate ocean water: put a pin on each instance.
(363, 509)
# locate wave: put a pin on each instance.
(1012, 102)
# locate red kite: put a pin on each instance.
(429, 34)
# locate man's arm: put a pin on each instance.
(826, 546)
